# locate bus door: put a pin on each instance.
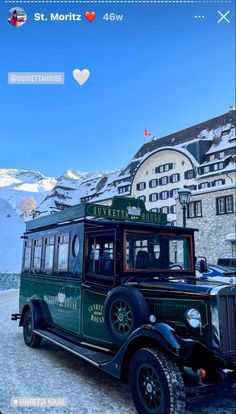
(99, 278)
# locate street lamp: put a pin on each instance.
(184, 199)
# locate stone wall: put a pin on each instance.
(211, 240)
(9, 281)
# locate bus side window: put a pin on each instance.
(27, 255)
(62, 252)
(101, 255)
(37, 254)
(49, 254)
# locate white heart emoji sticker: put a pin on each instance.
(81, 76)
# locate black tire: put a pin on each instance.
(156, 383)
(31, 339)
(125, 309)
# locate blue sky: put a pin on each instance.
(159, 69)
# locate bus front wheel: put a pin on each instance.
(31, 339)
(156, 383)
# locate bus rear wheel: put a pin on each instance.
(156, 383)
(31, 339)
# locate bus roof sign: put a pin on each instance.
(126, 209)
(121, 209)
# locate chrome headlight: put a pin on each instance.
(193, 318)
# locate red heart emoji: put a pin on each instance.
(90, 16)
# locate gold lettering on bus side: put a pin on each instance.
(143, 216)
(113, 213)
(109, 212)
(104, 211)
(118, 213)
(99, 211)
(94, 210)
(96, 313)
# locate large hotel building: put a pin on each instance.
(201, 157)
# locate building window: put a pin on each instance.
(142, 197)
(37, 254)
(175, 178)
(221, 155)
(203, 185)
(173, 209)
(155, 210)
(212, 157)
(192, 187)
(141, 186)
(195, 209)
(188, 175)
(124, 189)
(164, 195)
(163, 168)
(206, 169)
(224, 205)
(63, 252)
(174, 192)
(220, 165)
(49, 253)
(165, 210)
(168, 166)
(218, 182)
(226, 132)
(153, 197)
(153, 183)
(163, 180)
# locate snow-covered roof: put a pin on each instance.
(205, 163)
(206, 130)
(223, 141)
(211, 189)
(124, 183)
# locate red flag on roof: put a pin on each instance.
(147, 133)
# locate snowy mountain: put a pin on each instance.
(11, 228)
(24, 189)
(75, 187)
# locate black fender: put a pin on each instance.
(160, 335)
(35, 304)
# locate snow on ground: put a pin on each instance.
(11, 228)
(48, 371)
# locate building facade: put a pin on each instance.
(201, 157)
(212, 212)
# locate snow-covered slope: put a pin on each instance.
(11, 228)
(22, 187)
(74, 187)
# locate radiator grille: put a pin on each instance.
(227, 314)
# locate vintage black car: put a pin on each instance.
(116, 286)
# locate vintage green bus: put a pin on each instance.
(116, 286)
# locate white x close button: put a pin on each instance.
(223, 16)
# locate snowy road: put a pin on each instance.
(51, 372)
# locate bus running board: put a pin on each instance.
(95, 358)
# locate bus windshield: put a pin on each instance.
(156, 252)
